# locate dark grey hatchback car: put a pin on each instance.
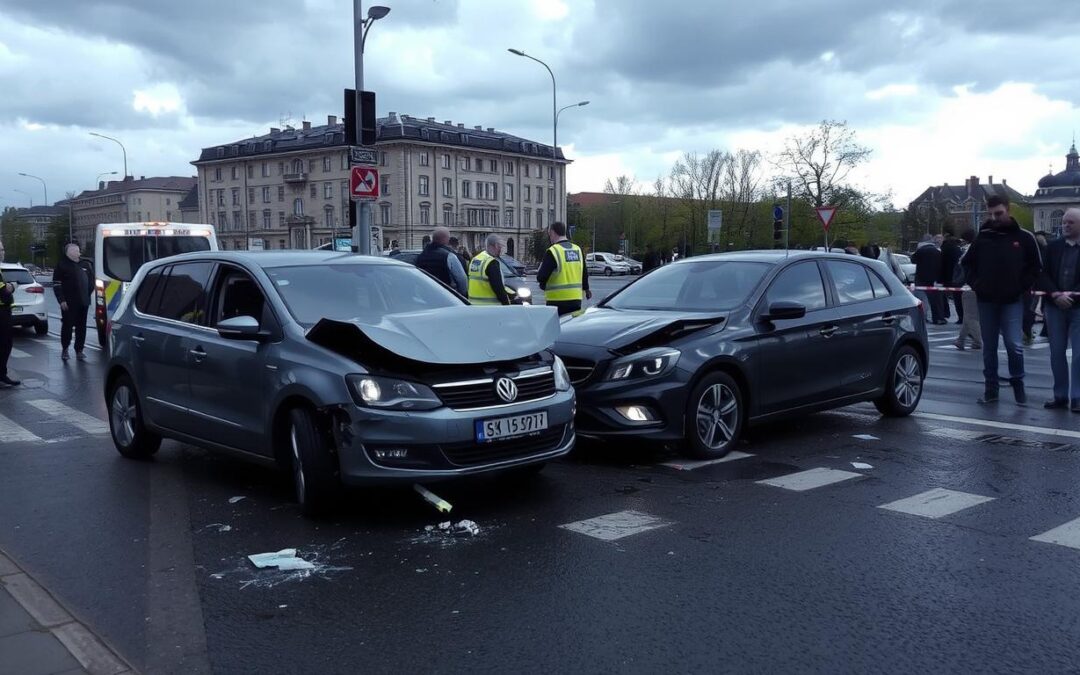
(344, 369)
(694, 351)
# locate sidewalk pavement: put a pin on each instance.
(39, 637)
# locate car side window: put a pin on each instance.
(799, 283)
(850, 281)
(880, 289)
(184, 295)
(146, 290)
(238, 295)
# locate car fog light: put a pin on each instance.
(636, 413)
(391, 453)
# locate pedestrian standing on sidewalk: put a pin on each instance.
(72, 284)
(968, 304)
(7, 297)
(927, 259)
(1002, 266)
(950, 256)
(1061, 311)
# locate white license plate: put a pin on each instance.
(508, 427)
(16, 309)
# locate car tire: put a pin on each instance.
(315, 471)
(41, 328)
(129, 434)
(714, 417)
(608, 272)
(903, 384)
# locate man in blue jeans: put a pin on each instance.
(1061, 308)
(1002, 266)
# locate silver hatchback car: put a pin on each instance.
(346, 370)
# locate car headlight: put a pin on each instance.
(648, 363)
(562, 377)
(387, 393)
(524, 292)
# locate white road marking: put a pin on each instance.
(936, 503)
(616, 525)
(808, 480)
(999, 425)
(13, 433)
(866, 437)
(942, 339)
(19, 354)
(87, 423)
(691, 465)
(1065, 535)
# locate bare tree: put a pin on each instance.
(739, 192)
(819, 163)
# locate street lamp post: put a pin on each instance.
(110, 138)
(97, 181)
(554, 122)
(562, 192)
(28, 195)
(361, 26)
(43, 185)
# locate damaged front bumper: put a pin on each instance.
(387, 447)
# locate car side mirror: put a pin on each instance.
(241, 328)
(779, 311)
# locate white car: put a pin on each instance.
(906, 266)
(605, 264)
(635, 265)
(28, 309)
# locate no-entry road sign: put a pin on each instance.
(364, 183)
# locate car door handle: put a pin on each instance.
(138, 340)
(198, 354)
(828, 331)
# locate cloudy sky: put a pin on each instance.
(940, 89)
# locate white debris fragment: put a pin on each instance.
(861, 465)
(465, 528)
(220, 527)
(866, 437)
(285, 560)
(219, 575)
(233, 500)
(435, 500)
(282, 606)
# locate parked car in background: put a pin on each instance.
(28, 310)
(343, 369)
(693, 352)
(635, 266)
(906, 266)
(516, 265)
(515, 282)
(605, 264)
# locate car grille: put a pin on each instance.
(472, 453)
(581, 370)
(481, 393)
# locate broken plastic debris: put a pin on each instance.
(220, 527)
(866, 437)
(861, 465)
(285, 560)
(435, 500)
(233, 500)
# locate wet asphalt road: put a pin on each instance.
(734, 574)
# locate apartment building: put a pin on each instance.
(289, 188)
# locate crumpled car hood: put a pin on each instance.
(451, 335)
(616, 329)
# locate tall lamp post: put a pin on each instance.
(43, 185)
(361, 26)
(28, 195)
(97, 181)
(554, 122)
(110, 138)
(562, 192)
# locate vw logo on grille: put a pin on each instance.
(506, 389)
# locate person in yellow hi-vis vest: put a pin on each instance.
(486, 286)
(562, 274)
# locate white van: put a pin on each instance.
(122, 248)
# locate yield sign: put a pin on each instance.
(825, 214)
(364, 182)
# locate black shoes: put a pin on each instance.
(1018, 392)
(989, 396)
(1056, 404)
(9, 382)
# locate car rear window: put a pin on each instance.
(123, 256)
(20, 277)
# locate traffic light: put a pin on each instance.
(778, 231)
(368, 130)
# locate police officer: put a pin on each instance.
(7, 299)
(486, 286)
(442, 262)
(562, 274)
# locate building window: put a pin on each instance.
(281, 218)
(425, 159)
(493, 165)
(251, 195)
(281, 193)
(423, 183)
(509, 168)
(235, 172)
(344, 189)
(266, 219)
(237, 220)
(236, 196)
(508, 218)
(526, 169)
(385, 188)
(251, 220)
(328, 190)
(280, 168)
(345, 162)
(508, 191)
(311, 166)
(551, 173)
(447, 187)
(281, 244)
(446, 161)
(251, 170)
(327, 165)
(425, 215)
(551, 196)
(217, 174)
(298, 166)
(298, 206)
(266, 194)
(539, 195)
(539, 219)
(384, 210)
(472, 218)
(168, 216)
(266, 169)
(466, 189)
(551, 215)
(382, 159)
(466, 163)
(528, 192)
(328, 214)
(168, 201)
(447, 215)
(479, 164)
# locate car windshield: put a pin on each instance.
(357, 291)
(692, 287)
(123, 256)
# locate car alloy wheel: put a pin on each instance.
(607, 272)
(717, 416)
(907, 380)
(125, 415)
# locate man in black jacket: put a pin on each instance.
(1061, 280)
(927, 259)
(950, 256)
(73, 284)
(7, 295)
(442, 262)
(1002, 266)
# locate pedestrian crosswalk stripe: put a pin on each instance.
(87, 423)
(616, 525)
(19, 354)
(1064, 535)
(13, 433)
(808, 480)
(936, 503)
(690, 466)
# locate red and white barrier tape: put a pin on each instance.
(951, 289)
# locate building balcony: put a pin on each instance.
(296, 177)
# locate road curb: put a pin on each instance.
(90, 650)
